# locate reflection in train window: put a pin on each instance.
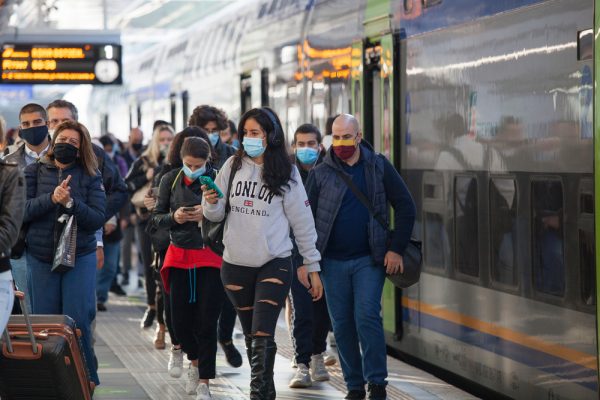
(587, 255)
(435, 240)
(548, 239)
(357, 100)
(586, 263)
(465, 225)
(503, 226)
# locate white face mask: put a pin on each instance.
(51, 132)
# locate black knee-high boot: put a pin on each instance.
(262, 362)
(258, 384)
(248, 340)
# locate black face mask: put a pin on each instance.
(65, 153)
(136, 146)
(34, 135)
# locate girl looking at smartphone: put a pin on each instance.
(191, 272)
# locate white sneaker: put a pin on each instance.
(331, 337)
(202, 392)
(192, 380)
(318, 372)
(175, 365)
(329, 359)
(302, 378)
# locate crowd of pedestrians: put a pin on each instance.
(295, 236)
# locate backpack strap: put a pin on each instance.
(176, 178)
(362, 198)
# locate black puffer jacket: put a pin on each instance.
(89, 205)
(173, 193)
(12, 196)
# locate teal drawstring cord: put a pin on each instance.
(192, 284)
(190, 281)
(195, 280)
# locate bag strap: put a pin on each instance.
(362, 198)
(227, 207)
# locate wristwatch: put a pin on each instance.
(69, 204)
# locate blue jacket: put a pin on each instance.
(326, 190)
(89, 204)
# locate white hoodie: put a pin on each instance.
(257, 229)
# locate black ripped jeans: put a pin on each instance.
(258, 294)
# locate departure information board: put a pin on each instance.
(61, 63)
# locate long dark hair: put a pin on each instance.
(277, 168)
(174, 157)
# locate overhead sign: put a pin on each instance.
(60, 64)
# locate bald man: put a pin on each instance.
(357, 251)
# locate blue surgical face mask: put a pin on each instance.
(307, 155)
(214, 138)
(253, 146)
(194, 175)
(235, 143)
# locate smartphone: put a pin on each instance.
(189, 209)
(206, 180)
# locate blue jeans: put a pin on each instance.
(353, 289)
(7, 297)
(72, 293)
(105, 276)
(310, 320)
(19, 271)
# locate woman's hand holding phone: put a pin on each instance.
(188, 214)
(211, 196)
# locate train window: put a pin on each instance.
(548, 237)
(586, 264)
(435, 240)
(466, 225)
(357, 100)
(503, 226)
(435, 234)
(587, 256)
(585, 44)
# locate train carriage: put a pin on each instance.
(486, 107)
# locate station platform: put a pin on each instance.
(131, 368)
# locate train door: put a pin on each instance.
(596, 129)
(373, 102)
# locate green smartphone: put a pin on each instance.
(207, 180)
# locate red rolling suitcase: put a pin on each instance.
(42, 359)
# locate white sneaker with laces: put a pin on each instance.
(318, 372)
(331, 337)
(329, 359)
(301, 378)
(202, 392)
(175, 366)
(192, 380)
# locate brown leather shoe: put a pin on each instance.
(159, 341)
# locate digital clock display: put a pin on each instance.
(60, 64)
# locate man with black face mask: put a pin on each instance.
(33, 124)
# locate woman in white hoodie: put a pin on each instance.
(266, 199)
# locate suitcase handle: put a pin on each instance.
(34, 346)
(43, 335)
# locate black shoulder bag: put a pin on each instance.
(212, 232)
(412, 258)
